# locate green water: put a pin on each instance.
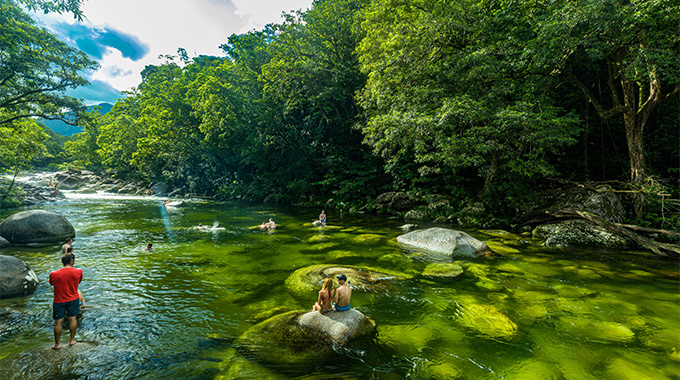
(174, 313)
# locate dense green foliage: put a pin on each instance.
(459, 103)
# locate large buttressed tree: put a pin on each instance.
(622, 55)
(36, 69)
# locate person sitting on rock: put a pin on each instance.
(323, 304)
(342, 294)
(271, 225)
(322, 218)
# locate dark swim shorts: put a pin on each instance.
(59, 310)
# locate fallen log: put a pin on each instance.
(654, 246)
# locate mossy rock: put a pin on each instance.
(307, 281)
(442, 370)
(531, 369)
(266, 314)
(368, 239)
(501, 234)
(396, 259)
(666, 340)
(339, 255)
(625, 369)
(488, 284)
(487, 321)
(571, 291)
(501, 248)
(302, 337)
(442, 270)
(602, 331)
(319, 238)
(238, 367)
(406, 339)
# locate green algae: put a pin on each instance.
(442, 270)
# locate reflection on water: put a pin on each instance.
(174, 312)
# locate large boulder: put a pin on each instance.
(16, 277)
(307, 281)
(581, 233)
(36, 226)
(445, 241)
(398, 201)
(602, 202)
(68, 180)
(297, 337)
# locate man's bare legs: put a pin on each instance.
(72, 325)
(57, 333)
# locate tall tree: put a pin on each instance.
(36, 69)
(622, 55)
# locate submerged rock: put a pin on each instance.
(367, 239)
(4, 243)
(579, 233)
(303, 337)
(445, 241)
(487, 321)
(443, 270)
(16, 277)
(603, 331)
(36, 226)
(305, 282)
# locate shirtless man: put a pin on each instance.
(342, 294)
(322, 218)
(66, 246)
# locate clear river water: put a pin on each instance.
(527, 313)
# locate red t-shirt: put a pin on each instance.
(65, 282)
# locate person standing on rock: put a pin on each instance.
(66, 246)
(66, 298)
(342, 294)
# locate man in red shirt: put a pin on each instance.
(66, 299)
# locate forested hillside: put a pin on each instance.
(478, 102)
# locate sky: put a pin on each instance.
(126, 35)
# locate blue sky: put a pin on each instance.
(126, 35)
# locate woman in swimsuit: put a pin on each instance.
(323, 304)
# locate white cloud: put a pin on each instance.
(199, 26)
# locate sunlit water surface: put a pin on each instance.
(173, 313)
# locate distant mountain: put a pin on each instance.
(60, 127)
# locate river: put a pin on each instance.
(173, 313)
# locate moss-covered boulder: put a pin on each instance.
(443, 270)
(406, 339)
(367, 239)
(305, 282)
(297, 337)
(486, 320)
(579, 233)
(445, 241)
(601, 331)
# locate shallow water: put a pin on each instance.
(173, 313)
